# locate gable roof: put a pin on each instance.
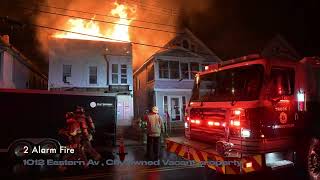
(279, 47)
(202, 49)
(172, 50)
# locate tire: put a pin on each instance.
(314, 159)
(18, 149)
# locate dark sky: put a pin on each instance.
(231, 28)
(236, 28)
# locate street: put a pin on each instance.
(134, 172)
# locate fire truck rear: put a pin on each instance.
(251, 109)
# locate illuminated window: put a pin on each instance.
(93, 74)
(66, 73)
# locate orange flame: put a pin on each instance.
(91, 30)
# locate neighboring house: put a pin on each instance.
(17, 71)
(166, 78)
(280, 48)
(98, 66)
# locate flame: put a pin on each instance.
(82, 28)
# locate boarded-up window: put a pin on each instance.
(93, 71)
(66, 73)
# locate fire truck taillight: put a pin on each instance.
(235, 123)
(301, 97)
(197, 121)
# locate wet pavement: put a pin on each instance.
(136, 153)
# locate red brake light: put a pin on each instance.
(193, 121)
(210, 123)
(197, 121)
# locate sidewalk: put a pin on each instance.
(134, 137)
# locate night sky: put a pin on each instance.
(230, 28)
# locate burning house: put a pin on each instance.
(87, 57)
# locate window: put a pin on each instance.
(150, 70)
(165, 104)
(184, 70)
(235, 84)
(163, 69)
(124, 78)
(93, 74)
(282, 82)
(185, 44)
(183, 104)
(66, 73)
(194, 69)
(114, 73)
(174, 69)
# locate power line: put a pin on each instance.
(86, 12)
(165, 11)
(89, 35)
(107, 22)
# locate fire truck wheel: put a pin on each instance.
(20, 150)
(314, 159)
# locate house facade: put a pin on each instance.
(17, 71)
(166, 78)
(97, 66)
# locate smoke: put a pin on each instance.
(161, 14)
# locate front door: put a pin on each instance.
(175, 108)
(124, 110)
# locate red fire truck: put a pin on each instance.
(254, 110)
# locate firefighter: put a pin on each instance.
(154, 130)
(87, 129)
(72, 132)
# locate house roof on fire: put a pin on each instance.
(78, 46)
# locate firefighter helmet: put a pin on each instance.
(79, 109)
